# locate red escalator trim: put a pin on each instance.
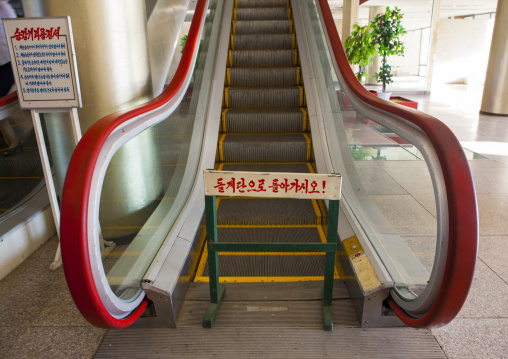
(7, 99)
(76, 192)
(463, 218)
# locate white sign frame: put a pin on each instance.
(272, 185)
(45, 55)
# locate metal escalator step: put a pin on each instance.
(262, 27)
(267, 167)
(262, 58)
(269, 235)
(264, 97)
(265, 148)
(268, 13)
(261, 3)
(263, 76)
(263, 42)
(270, 266)
(266, 211)
(263, 121)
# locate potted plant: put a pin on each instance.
(387, 29)
(360, 49)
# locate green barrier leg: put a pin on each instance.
(331, 237)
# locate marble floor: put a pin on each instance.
(38, 317)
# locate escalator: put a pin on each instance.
(264, 129)
(267, 96)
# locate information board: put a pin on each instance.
(43, 62)
(273, 185)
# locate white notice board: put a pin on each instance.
(43, 62)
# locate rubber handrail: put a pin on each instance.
(76, 192)
(9, 98)
(461, 197)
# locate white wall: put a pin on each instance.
(462, 51)
(408, 65)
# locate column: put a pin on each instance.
(349, 17)
(376, 61)
(436, 6)
(114, 71)
(495, 91)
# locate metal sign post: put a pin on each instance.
(44, 66)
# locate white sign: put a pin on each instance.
(43, 62)
(273, 185)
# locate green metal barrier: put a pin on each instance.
(217, 291)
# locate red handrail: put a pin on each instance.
(463, 218)
(76, 193)
(7, 99)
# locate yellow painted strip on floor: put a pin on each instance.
(267, 225)
(309, 145)
(230, 57)
(224, 120)
(228, 75)
(232, 43)
(318, 212)
(221, 152)
(226, 96)
(203, 279)
(298, 75)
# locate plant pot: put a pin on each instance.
(384, 95)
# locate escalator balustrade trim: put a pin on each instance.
(265, 128)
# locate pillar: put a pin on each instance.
(436, 7)
(495, 91)
(376, 61)
(349, 17)
(114, 72)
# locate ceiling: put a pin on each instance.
(417, 13)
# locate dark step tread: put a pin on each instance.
(259, 13)
(267, 167)
(263, 76)
(264, 120)
(267, 211)
(262, 58)
(264, 97)
(263, 42)
(262, 27)
(261, 3)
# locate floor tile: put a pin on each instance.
(492, 252)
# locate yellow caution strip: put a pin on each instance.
(301, 95)
(292, 27)
(296, 57)
(309, 145)
(230, 58)
(298, 72)
(311, 169)
(234, 14)
(289, 14)
(232, 42)
(224, 120)
(293, 46)
(318, 212)
(226, 96)
(228, 76)
(202, 279)
(233, 30)
(306, 126)
(221, 152)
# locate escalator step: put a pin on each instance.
(264, 97)
(262, 27)
(265, 148)
(263, 42)
(263, 121)
(266, 211)
(261, 3)
(269, 235)
(270, 266)
(262, 58)
(267, 167)
(263, 76)
(268, 13)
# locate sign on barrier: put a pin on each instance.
(273, 185)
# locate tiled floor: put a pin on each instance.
(39, 319)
